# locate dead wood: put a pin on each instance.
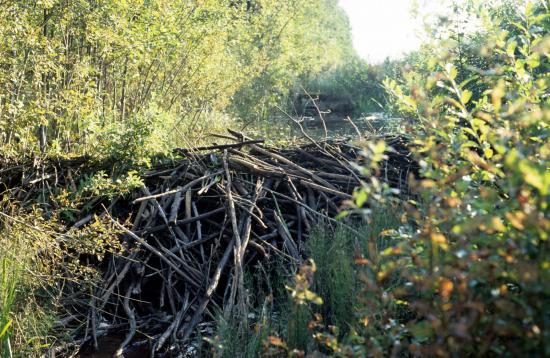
(196, 223)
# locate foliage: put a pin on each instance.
(229, 343)
(26, 323)
(330, 301)
(459, 268)
(290, 52)
(354, 82)
(39, 266)
(469, 262)
(463, 267)
(9, 275)
(120, 78)
(334, 277)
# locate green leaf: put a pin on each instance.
(312, 297)
(341, 215)
(520, 68)
(533, 61)
(360, 198)
(511, 48)
(468, 80)
(533, 177)
(5, 329)
(466, 96)
(541, 18)
(529, 9)
(409, 102)
(451, 71)
(471, 132)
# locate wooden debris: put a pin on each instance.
(243, 201)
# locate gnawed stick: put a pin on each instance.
(188, 196)
(239, 271)
(175, 208)
(218, 146)
(285, 234)
(183, 189)
(183, 221)
(293, 165)
(132, 320)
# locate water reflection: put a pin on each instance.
(339, 127)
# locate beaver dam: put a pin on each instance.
(190, 230)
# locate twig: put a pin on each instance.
(184, 188)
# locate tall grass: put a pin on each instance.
(337, 281)
(335, 250)
(233, 341)
(10, 274)
(28, 258)
(332, 251)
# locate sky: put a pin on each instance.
(386, 28)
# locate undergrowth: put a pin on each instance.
(288, 318)
(461, 267)
(41, 262)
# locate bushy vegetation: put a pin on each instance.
(41, 263)
(458, 266)
(355, 83)
(463, 266)
(481, 250)
(75, 75)
(123, 82)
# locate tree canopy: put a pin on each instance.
(74, 73)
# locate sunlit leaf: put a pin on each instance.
(439, 240)
(361, 197)
(466, 96)
(6, 328)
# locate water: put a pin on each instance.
(340, 128)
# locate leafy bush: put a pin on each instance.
(465, 270)
(483, 208)
(41, 262)
(354, 82)
(72, 72)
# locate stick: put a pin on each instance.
(156, 252)
(326, 190)
(217, 147)
(183, 221)
(188, 329)
(293, 165)
(184, 188)
(234, 225)
(175, 208)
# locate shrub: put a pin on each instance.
(466, 270)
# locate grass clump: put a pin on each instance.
(26, 312)
(334, 281)
(323, 303)
(38, 268)
(9, 279)
(231, 340)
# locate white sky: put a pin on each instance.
(386, 28)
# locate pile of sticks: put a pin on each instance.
(197, 223)
(191, 229)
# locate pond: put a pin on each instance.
(340, 128)
(282, 129)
